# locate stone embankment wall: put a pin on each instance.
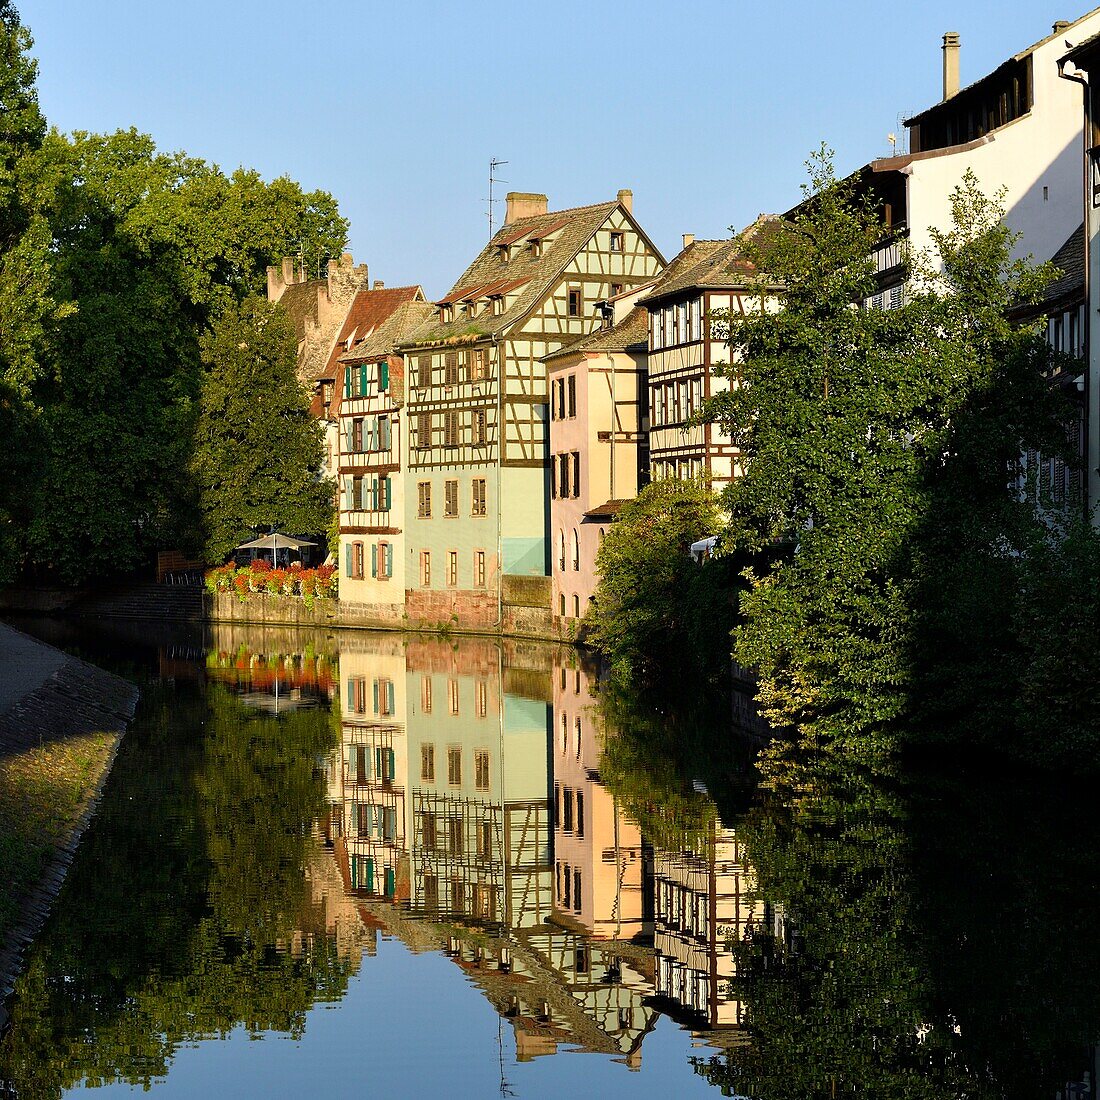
(526, 612)
(48, 697)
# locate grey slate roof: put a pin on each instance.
(1070, 260)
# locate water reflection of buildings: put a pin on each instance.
(704, 902)
(467, 815)
(600, 863)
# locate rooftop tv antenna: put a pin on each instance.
(494, 164)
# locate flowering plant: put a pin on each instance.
(259, 577)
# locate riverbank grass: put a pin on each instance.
(43, 793)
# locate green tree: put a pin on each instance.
(655, 607)
(148, 248)
(26, 305)
(173, 921)
(879, 445)
(257, 449)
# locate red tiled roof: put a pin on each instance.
(511, 238)
(482, 290)
(369, 309)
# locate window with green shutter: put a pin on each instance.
(347, 381)
(347, 566)
(383, 376)
(374, 560)
(362, 379)
(387, 483)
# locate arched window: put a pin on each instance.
(602, 534)
(576, 550)
(562, 603)
(576, 607)
(561, 552)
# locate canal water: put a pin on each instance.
(355, 864)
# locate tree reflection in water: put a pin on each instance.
(831, 931)
(943, 938)
(178, 919)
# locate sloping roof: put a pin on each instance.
(569, 231)
(300, 302)
(994, 72)
(1076, 53)
(369, 309)
(606, 510)
(1070, 260)
(631, 332)
(704, 264)
(382, 340)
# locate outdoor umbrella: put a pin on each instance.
(275, 542)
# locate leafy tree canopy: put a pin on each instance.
(655, 607)
(879, 446)
(257, 448)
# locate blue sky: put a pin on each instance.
(705, 109)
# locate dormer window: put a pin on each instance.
(470, 307)
(536, 247)
(446, 314)
(505, 253)
(616, 242)
(497, 304)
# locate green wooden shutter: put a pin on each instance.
(347, 381)
(389, 493)
(389, 700)
(374, 494)
(374, 559)
(383, 376)
(347, 559)
(388, 551)
(370, 875)
(362, 379)
(375, 696)
(351, 704)
(379, 768)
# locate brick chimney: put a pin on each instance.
(523, 204)
(626, 200)
(1060, 26)
(950, 64)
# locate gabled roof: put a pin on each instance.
(369, 309)
(564, 234)
(704, 265)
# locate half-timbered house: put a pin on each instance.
(476, 393)
(686, 341)
(373, 449)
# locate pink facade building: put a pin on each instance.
(598, 449)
